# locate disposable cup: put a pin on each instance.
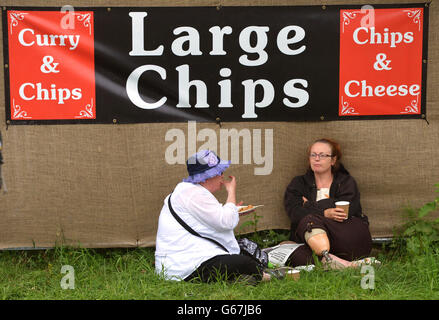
(344, 205)
(293, 275)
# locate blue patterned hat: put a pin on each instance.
(203, 165)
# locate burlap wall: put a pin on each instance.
(104, 185)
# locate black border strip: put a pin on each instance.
(423, 114)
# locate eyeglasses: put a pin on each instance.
(320, 155)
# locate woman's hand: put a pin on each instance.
(230, 186)
(336, 214)
(304, 200)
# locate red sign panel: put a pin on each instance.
(380, 61)
(51, 65)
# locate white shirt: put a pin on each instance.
(322, 193)
(178, 252)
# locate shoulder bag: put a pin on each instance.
(246, 246)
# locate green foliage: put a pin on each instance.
(251, 223)
(130, 274)
(420, 234)
(265, 238)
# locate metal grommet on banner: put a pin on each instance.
(322, 118)
(114, 120)
(6, 66)
(424, 61)
(108, 9)
(218, 7)
(324, 7)
(218, 121)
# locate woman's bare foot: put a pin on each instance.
(336, 263)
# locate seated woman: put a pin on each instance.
(309, 201)
(181, 255)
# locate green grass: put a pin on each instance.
(129, 274)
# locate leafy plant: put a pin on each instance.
(252, 223)
(420, 233)
(264, 238)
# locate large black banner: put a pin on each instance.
(172, 64)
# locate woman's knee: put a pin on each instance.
(309, 226)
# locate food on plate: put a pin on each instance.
(245, 208)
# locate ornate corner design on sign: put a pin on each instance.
(346, 108)
(348, 16)
(416, 16)
(18, 112)
(413, 107)
(85, 19)
(16, 17)
(87, 113)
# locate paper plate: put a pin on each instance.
(248, 210)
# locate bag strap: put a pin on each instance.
(192, 231)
